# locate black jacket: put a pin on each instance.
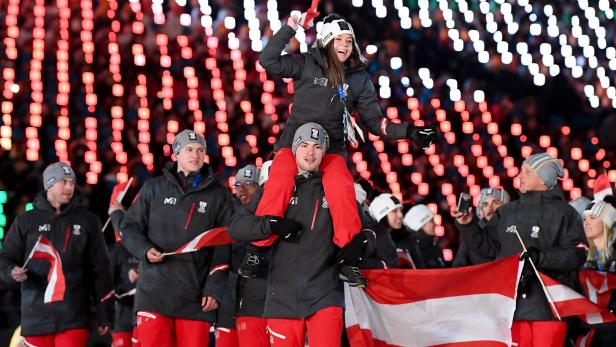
(166, 216)
(423, 250)
(544, 220)
(316, 101)
(244, 296)
(303, 275)
(76, 235)
(122, 261)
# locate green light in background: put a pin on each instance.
(29, 206)
(3, 196)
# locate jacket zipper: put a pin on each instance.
(314, 217)
(192, 209)
(66, 237)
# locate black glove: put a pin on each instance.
(421, 136)
(355, 251)
(533, 254)
(287, 229)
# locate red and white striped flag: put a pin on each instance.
(213, 237)
(570, 303)
(470, 306)
(598, 287)
(56, 284)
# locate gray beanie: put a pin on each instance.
(56, 172)
(186, 137)
(310, 132)
(248, 173)
(496, 193)
(547, 167)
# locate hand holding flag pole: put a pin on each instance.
(545, 290)
(118, 199)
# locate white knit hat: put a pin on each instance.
(604, 211)
(264, 172)
(382, 205)
(328, 31)
(417, 217)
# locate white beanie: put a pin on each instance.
(417, 217)
(382, 205)
(360, 193)
(604, 211)
(264, 172)
(330, 30)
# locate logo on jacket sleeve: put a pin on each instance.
(170, 201)
(76, 229)
(320, 81)
(512, 229)
(44, 227)
(535, 233)
(202, 205)
(293, 201)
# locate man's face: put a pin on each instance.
(489, 206)
(61, 192)
(191, 158)
(429, 228)
(530, 181)
(244, 190)
(308, 156)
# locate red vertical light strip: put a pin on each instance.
(8, 74)
(64, 86)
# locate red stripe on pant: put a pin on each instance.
(339, 192)
(226, 337)
(252, 332)
(538, 333)
(67, 338)
(156, 330)
(324, 328)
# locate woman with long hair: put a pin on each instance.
(599, 226)
(330, 83)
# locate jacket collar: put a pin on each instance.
(539, 197)
(170, 171)
(41, 203)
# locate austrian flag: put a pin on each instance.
(470, 306)
(56, 286)
(213, 237)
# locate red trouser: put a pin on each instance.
(156, 330)
(252, 331)
(67, 338)
(339, 192)
(324, 329)
(124, 339)
(538, 333)
(226, 337)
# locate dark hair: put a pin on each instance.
(333, 68)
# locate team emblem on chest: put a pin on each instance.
(202, 205)
(76, 229)
(535, 233)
